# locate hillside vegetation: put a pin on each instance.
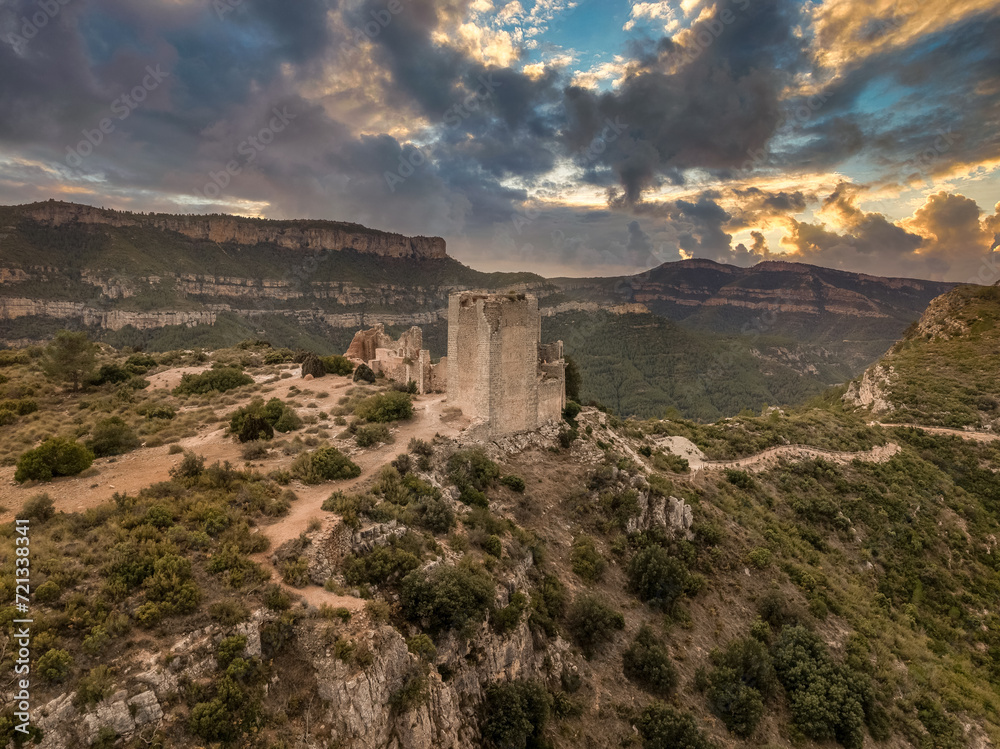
(944, 372)
(581, 587)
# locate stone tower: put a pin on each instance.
(498, 372)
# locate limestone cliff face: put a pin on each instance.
(772, 286)
(294, 235)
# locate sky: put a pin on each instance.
(565, 137)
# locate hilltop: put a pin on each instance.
(776, 333)
(367, 577)
(944, 370)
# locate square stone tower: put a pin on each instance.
(498, 373)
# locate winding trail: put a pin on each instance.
(963, 433)
(770, 457)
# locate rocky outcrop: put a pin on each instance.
(871, 391)
(112, 319)
(294, 235)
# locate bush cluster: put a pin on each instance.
(54, 457)
(337, 365)
(742, 681)
(324, 464)
(592, 623)
(112, 436)
(260, 420)
(447, 598)
(647, 663)
(473, 473)
(385, 407)
(515, 714)
(214, 380)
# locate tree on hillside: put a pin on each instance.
(70, 357)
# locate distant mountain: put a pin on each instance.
(707, 339)
(856, 317)
(944, 372)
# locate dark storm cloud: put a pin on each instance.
(706, 104)
(942, 91)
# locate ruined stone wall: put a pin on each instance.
(401, 360)
(498, 374)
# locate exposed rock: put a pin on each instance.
(312, 365)
(871, 390)
(294, 235)
(147, 707)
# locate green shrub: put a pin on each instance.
(110, 374)
(38, 509)
(657, 578)
(515, 483)
(54, 666)
(214, 380)
(48, 592)
(422, 646)
(337, 365)
(435, 515)
(664, 727)
(10, 358)
(592, 623)
(586, 560)
(669, 462)
(827, 700)
(740, 479)
(112, 436)
(759, 558)
(367, 435)
(412, 693)
(647, 663)
(228, 612)
(54, 457)
(447, 598)
(311, 365)
(472, 472)
(95, 686)
(548, 603)
(571, 411)
(156, 411)
(324, 464)
(742, 680)
(515, 714)
(385, 407)
(381, 566)
(255, 428)
(259, 420)
(493, 546)
(20, 406)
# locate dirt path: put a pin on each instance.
(964, 434)
(140, 468)
(427, 421)
(770, 457)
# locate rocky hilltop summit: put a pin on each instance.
(313, 235)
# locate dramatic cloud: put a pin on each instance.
(860, 135)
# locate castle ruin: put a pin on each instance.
(402, 360)
(499, 372)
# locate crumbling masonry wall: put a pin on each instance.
(403, 360)
(498, 373)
